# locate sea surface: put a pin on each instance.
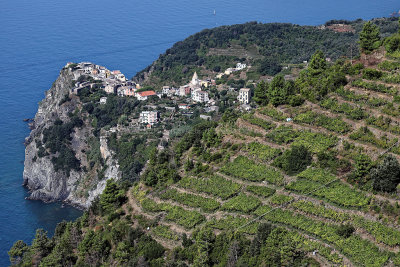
(38, 37)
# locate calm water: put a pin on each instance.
(38, 37)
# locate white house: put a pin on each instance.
(144, 95)
(244, 95)
(166, 90)
(200, 96)
(240, 66)
(148, 117)
(103, 100)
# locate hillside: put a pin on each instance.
(308, 178)
(266, 47)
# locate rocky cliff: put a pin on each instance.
(78, 186)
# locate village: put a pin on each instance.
(196, 92)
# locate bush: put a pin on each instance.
(345, 230)
(294, 160)
(387, 175)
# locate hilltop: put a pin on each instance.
(308, 177)
(267, 47)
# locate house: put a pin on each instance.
(240, 66)
(144, 95)
(205, 117)
(111, 88)
(148, 117)
(200, 96)
(184, 90)
(244, 95)
(126, 91)
(166, 90)
(184, 106)
(120, 77)
(103, 100)
(228, 71)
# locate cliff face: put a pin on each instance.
(78, 187)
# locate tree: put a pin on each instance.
(261, 93)
(270, 66)
(318, 63)
(387, 175)
(369, 38)
(362, 168)
(294, 160)
(17, 252)
(345, 230)
(277, 94)
(112, 197)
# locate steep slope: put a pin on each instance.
(58, 174)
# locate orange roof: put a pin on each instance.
(147, 93)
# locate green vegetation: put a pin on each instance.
(329, 123)
(337, 193)
(359, 250)
(266, 125)
(319, 79)
(389, 65)
(261, 151)
(246, 169)
(241, 203)
(351, 112)
(165, 232)
(313, 141)
(294, 160)
(369, 37)
(364, 134)
(381, 88)
(233, 222)
(321, 211)
(280, 199)
(214, 185)
(387, 175)
(273, 113)
(206, 204)
(57, 139)
(185, 218)
(262, 191)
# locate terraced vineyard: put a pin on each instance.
(246, 189)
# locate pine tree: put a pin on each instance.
(369, 37)
(261, 93)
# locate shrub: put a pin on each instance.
(345, 230)
(294, 160)
(387, 175)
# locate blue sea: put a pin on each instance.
(38, 37)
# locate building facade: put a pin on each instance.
(148, 117)
(244, 95)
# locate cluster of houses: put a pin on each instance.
(229, 71)
(193, 89)
(112, 82)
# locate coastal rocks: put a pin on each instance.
(76, 187)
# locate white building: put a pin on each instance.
(103, 100)
(240, 66)
(166, 90)
(200, 96)
(244, 95)
(148, 117)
